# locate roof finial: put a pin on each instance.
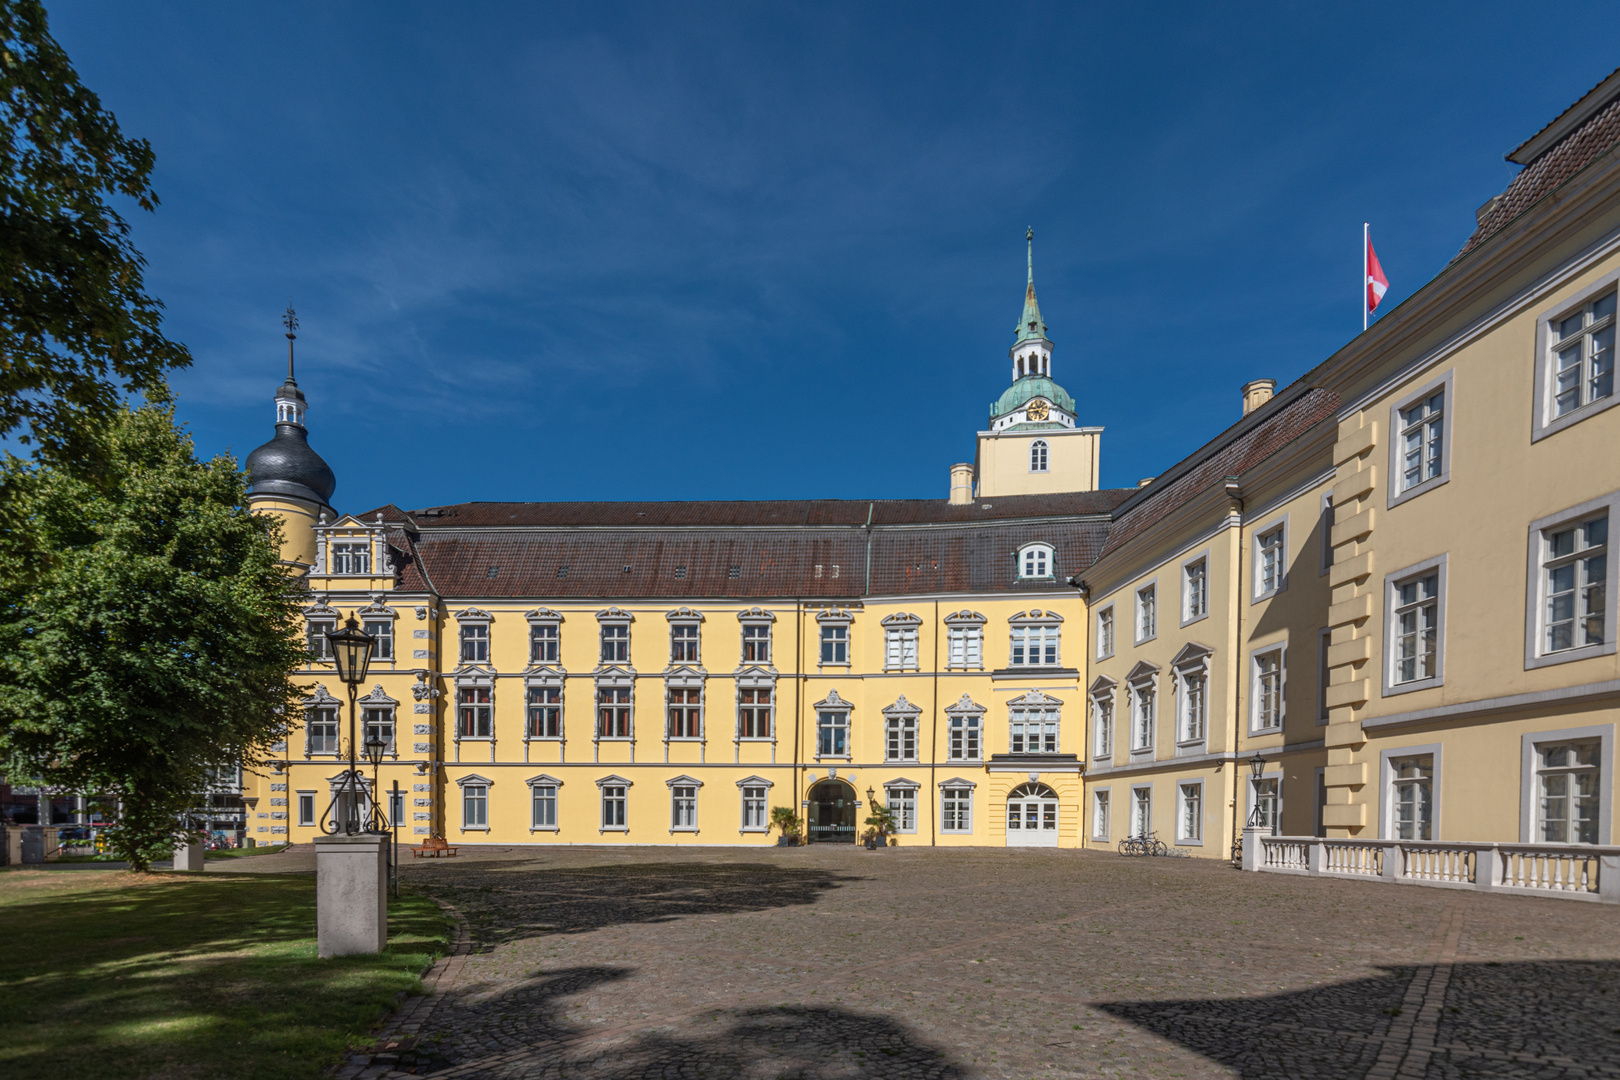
(1029, 236)
(290, 321)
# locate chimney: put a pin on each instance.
(961, 484)
(1257, 393)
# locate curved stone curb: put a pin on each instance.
(412, 1015)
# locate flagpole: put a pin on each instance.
(1366, 239)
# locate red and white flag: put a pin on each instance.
(1377, 284)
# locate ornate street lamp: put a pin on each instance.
(375, 748)
(351, 654)
(1257, 766)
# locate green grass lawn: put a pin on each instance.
(245, 852)
(110, 974)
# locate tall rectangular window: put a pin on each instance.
(756, 643)
(475, 643)
(1583, 356)
(1143, 715)
(1417, 628)
(1268, 690)
(902, 738)
(685, 712)
(1412, 795)
(543, 643)
(683, 643)
(683, 807)
(1266, 796)
(1194, 705)
(315, 632)
(1568, 796)
(321, 727)
(903, 805)
(396, 809)
(613, 806)
(474, 806)
(1575, 583)
(832, 734)
(956, 810)
(545, 712)
(1147, 613)
(351, 558)
(965, 730)
(1423, 430)
(835, 644)
(1034, 646)
(1141, 811)
(615, 643)
(1194, 590)
(377, 724)
(1099, 815)
(613, 712)
(381, 632)
(1190, 823)
(1270, 561)
(900, 648)
(966, 646)
(475, 709)
(1102, 723)
(306, 808)
(1105, 632)
(1034, 731)
(754, 712)
(544, 806)
(753, 809)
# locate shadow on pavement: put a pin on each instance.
(1551, 1018)
(509, 900)
(798, 1043)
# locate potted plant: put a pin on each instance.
(881, 821)
(783, 818)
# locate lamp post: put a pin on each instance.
(1257, 766)
(375, 748)
(351, 655)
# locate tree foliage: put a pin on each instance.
(147, 630)
(77, 330)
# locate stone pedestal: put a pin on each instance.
(351, 894)
(1253, 856)
(189, 856)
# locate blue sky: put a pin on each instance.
(769, 250)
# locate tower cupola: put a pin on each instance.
(286, 466)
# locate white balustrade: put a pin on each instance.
(1550, 869)
(1450, 863)
(1359, 858)
(1284, 853)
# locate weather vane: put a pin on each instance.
(290, 321)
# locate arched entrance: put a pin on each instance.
(1032, 816)
(832, 813)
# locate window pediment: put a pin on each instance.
(614, 675)
(1035, 617)
(956, 783)
(755, 676)
(615, 781)
(832, 701)
(473, 614)
(901, 707)
(543, 780)
(755, 781)
(320, 610)
(683, 781)
(377, 607)
(320, 697)
(474, 778)
(682, 614)
(1034, 697)
(377, 697)
(544, 676)
(1191, 654)
(903, 784)
(684, 676)
(1102, 684)
(902, 618)
(1142, 672)
(835, 615)
(965, 618)
(475, 675)
(756, 614)
(964, 705)
(543, 615)
(614, 614)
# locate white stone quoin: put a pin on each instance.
(351, 896)
(189, 856)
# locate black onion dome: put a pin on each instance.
(286, 465)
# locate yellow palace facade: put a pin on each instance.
(1375, 607)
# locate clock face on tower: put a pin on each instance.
(1038, 410)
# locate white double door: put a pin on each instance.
(1032, 822)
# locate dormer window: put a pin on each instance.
(1035, 560)
(351, 558)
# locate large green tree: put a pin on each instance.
(78, 331)
(147, 629)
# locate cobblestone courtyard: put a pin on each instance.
(837, 962)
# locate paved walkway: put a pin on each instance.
(836, 962)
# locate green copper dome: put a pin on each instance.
(1032, 386)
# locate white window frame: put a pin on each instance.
(902, 789)
(1050, 625)
(1035, 707)
(544, 684)
(298, 802)
(378, 614)
(1149, 589)
(1392, 584)
(1104, 691)
(1043, 462)
(963, 790)
(686, 619)
(1396, 493)
(1102, 799)
(1252, 798)
(749, 783)
(601, 798)
(1272, 528)
(1194, 661)
(1280, 650)
(1604, 734)
(1542, 422)
(686, 683)
(834, 618)
(363, 556)
(1386, 787)
(966, 715)
(471, 619)
(900, 641)
(1536, 591)
(1143, 677)
(900, 719)
(474, 781)
(756, 619)
(966, 627)
(534, 784)
(1037, 562)
(1107, 632)
(756, 683)
(1131, 821)
(613, 682)
(1182, 837)
(676, 785)
(1189, 615)
(545, 618)
(486, 685)
(834, 704)
(616, 618)
(327, 619)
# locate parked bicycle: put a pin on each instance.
(1143, 845)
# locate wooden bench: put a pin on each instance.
(434, 847)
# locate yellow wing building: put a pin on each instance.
(1375, 607)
